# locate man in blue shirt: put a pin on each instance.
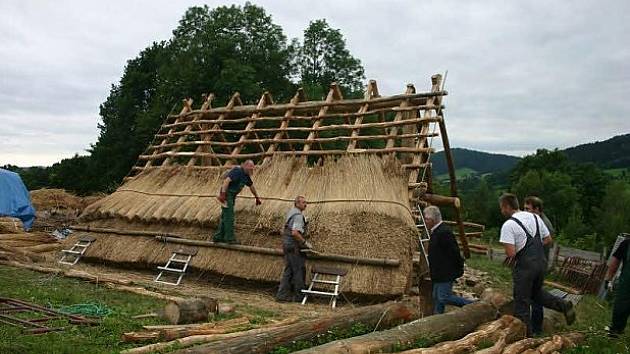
(235, 180)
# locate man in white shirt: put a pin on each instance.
(523, 236)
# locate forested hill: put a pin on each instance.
(611, 153)
(480, 162)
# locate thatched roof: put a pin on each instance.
(356, 161)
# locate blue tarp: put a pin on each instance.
(14, 199)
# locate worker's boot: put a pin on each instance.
(569, 312)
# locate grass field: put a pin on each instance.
(53, 291)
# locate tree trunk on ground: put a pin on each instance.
(190, 310)
(451, 325)
(507, 325)
(374, 316)
(545, 345)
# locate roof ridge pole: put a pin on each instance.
(235, 100)
(371, 92)
(297, 98)
(265, 100)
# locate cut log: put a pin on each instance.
(143, 291)
(537, 345)
(174, 333)
(192, 340)
(508, 327)
(170, 332)
(374, 316)
(433, 328)
(190, 310)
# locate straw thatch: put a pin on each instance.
(357, 208)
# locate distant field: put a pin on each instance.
(459, 173)
(617, 172)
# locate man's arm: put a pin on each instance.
(510, 250)
(613, 265)
(254, 192)
(226, 183)
(297, 235)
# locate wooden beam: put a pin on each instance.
(297, 98)
(187, 107)
(350, 104)
(288, 153)
(207, 135)
(265, 100)
(333, 94)
(372, 90)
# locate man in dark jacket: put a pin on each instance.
(445, 262)
(621, 307)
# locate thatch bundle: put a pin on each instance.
(358, 206)
(9, 225)
(55, 199)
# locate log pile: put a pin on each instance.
(171, 332)
(506, 329)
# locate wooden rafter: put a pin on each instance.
(297, 98)
(235, 100)
(333, 94)
(371, 92)
(187, 107)
(265, 100)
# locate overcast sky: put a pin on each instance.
(521, 75)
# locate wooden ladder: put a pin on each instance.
(318, 272)
(74, 254)
(176, 266)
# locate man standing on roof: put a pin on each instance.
(522, 236)
(534, 205)
(621, 307)
(445, 262)
(235, 180)
(294, 239)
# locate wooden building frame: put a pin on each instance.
(400, 126)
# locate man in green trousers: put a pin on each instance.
(237, 178)
(621, 307)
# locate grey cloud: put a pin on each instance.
(522, 75)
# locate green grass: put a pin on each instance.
(56, 292)
(53, 291)
(500, 276)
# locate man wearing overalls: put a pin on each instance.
(522, 236)
(293, 239)
(235, 180)
(621, 307)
